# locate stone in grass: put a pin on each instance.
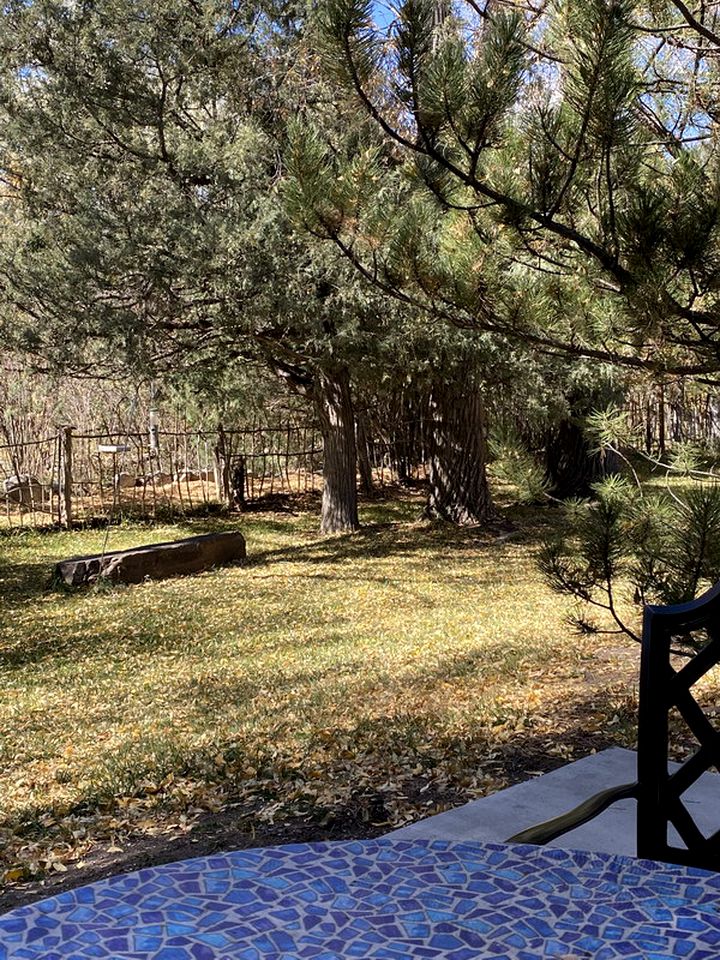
(155, 561)
(23, 489)
(123, 481)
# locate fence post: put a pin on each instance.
(65, 477)
(222, 468)
(238, 484)
(661, 419)
(153, 435)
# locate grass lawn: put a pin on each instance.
(360, 681)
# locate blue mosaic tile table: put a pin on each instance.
(381, 899)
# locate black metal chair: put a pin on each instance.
(694, 629)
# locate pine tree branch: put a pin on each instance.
(606, 260)
(484, 14)
(611, 201)
(424, 145)
(580, 141)
(492, 324)
(696, 25)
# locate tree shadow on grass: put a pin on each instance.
(376, 540)
(23, 581)
(376, 796)
(437, 544)
(99, 641)
(386, 540)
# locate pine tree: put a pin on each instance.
(144, 226)
(570, 154)
(551, 176)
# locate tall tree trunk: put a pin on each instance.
(571, 465)
(363, 455)
(403, 454)
(333, 403)
(661, 419)
(459, 489)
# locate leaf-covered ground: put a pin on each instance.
(326, 686)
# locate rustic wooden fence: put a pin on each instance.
(671, 413)
(77, 476)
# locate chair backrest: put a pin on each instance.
(666, 684)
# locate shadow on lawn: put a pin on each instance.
(386, 538)
(436, 542)
(381, 540)
(23, 581)
(372, 800)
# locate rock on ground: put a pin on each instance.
(24, 489)
(155, 561)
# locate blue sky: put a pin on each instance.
(384, 14)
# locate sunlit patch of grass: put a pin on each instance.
(317, 674)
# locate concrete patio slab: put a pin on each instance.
(499, 816)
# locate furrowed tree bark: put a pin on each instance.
(363, 455)
(571, 465)
(334, 407)
(459, 490)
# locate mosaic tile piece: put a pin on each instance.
(380, 900)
